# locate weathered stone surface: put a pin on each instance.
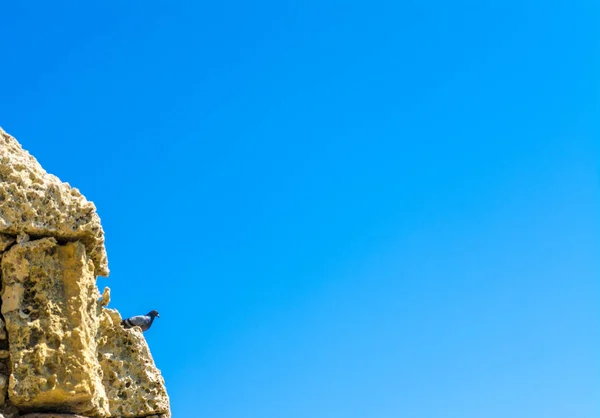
(9, 412)
(50, 415)
(2, 330)
(6, 241)
(23, 238)
(61, 351)
(105, 300)
(3, 388)
(53, 415)
(134, 386)
(39, 204)
(49, 304)
(4, 376)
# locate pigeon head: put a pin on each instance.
(153, 313)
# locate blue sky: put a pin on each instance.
(340, 209)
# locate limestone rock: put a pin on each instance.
(23, 238)
(49, 304)
(61, 351)
(133, 384)
(4, 375)
(50, 415)
(39, 204)
(9, 412)
(2, 330)
(105, 299)
(6, 241)
(3, 388)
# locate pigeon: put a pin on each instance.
(142, 321)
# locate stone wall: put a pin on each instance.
(62, 351)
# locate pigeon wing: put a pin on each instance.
(141, 321)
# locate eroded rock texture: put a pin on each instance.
(63, 354)
(39, 204)
(133, 384)
(5, 242)
(49, 303)
(50, 415)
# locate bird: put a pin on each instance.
(142, 321)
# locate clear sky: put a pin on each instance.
(340, 208)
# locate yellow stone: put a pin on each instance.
(36, 203)
(49, 305)
(134, 386)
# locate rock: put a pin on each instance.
(3, 388)
(23, 238)
(50, 415)
(6, 241)
(61, 351)
(36, 203)
(105, 299)
(133, 384)
(49, 304)
(9, 412)
(2, 330)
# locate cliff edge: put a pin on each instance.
(62, 352)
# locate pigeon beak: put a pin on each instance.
(157, 315)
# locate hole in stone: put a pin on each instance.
(53, 342)
(34, 337)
